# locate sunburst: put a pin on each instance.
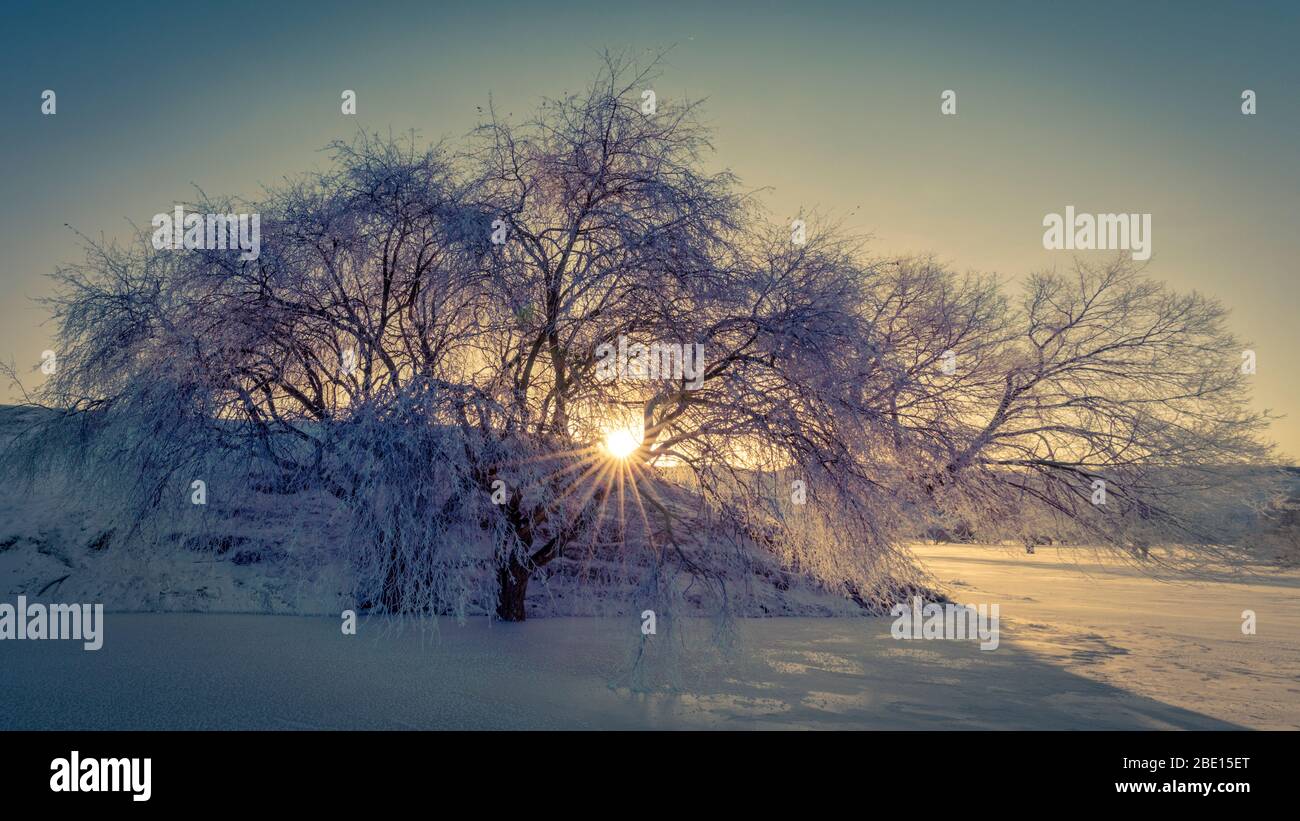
(621, 443)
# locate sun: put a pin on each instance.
(621, 443)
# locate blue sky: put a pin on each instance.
(1105, 106)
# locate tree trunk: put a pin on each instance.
(390, 595)
(512, 588)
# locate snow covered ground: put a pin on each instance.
(1177, 642)
(1082, 646)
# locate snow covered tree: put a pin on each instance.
(1111, 409)
(567, 336)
